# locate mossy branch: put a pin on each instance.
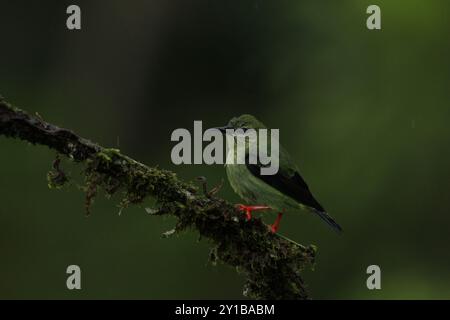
(270, 263)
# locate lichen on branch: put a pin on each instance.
(270, 263)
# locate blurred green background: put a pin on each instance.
(364, 114)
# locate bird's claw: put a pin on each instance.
(248, 209)
(276, 225)
(272, 228)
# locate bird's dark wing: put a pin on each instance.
(289, 183)
(292, 184)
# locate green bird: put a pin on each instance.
(284, 191)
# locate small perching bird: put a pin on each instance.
(284, 191)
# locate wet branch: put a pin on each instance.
(270, 263)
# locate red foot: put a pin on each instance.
(274, 227)
(248, 209)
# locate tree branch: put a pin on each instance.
(270, 263)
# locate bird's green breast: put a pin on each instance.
(255, 191)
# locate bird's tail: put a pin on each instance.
(329, 220)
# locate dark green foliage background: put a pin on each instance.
(364, 113)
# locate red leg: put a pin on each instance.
(274, 227)
(248, 209)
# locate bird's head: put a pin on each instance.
(245, 121)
